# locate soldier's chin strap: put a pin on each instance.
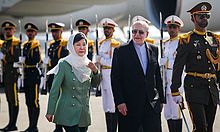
(212, 58)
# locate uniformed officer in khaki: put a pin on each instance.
(83, 26)
(57, 50)
(11, 52)
(197, 52)
(171, 109)
(31, 59)
(106, 48)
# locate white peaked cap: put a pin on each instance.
(173, 19)
(107, 22)
(140, 18)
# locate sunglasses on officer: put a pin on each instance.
(82, 28)
(204, 15)
(135, 31)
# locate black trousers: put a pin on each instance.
(71, 128)
(31, 86)
(111, 121)
(202, 116)
(150, 121)
(10, 77)
(49, 82)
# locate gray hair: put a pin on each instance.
(143, 23)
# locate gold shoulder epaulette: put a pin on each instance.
(15, 41)
(216, 36)
(185, 38)
(1, 43)
(24, 43)
(35, 43)
(149, 40)
(51, 42)
(101, 42)
(115, 43)
(63, 42)
(90, 42)
(164, 41)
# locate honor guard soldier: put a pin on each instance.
(141, 18)
(31, 58)
(197, 52)
(57, 50)
(106, 48)
(11, 52)
(83, 26)
(171, 109)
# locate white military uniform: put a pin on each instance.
(171, 109)
(106, 49)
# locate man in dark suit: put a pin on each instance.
(136, 83)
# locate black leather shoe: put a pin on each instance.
(9, 128)
(30, 130)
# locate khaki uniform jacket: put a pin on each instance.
(69, 98)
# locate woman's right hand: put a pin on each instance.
(49, 117)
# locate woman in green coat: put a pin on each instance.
(68, 103)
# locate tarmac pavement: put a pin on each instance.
(97, 114)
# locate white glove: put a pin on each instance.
(19, 82)
(21, 59)
(41, 82)
(46, 60)
(162, 61)
(1, 55)
(178, 99)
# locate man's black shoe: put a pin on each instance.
(30, 130)
(9, 128)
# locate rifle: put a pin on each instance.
(163, 72)
(1, 72)
(98, 90)
(22, 55)
(129, 28)
(44, 89)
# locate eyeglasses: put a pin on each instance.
(202, 16)
(172, 26)
(135, 31)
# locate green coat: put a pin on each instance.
(71, 106)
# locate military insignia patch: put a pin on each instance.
(203, 8)
(196, 42)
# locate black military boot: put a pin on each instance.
(13, 114)
(33, 119)
(35, 116)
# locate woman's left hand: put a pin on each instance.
(93, 67)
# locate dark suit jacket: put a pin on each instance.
(130, 85)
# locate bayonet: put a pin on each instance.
(71, 25)
(98, 89)
(163, 72)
